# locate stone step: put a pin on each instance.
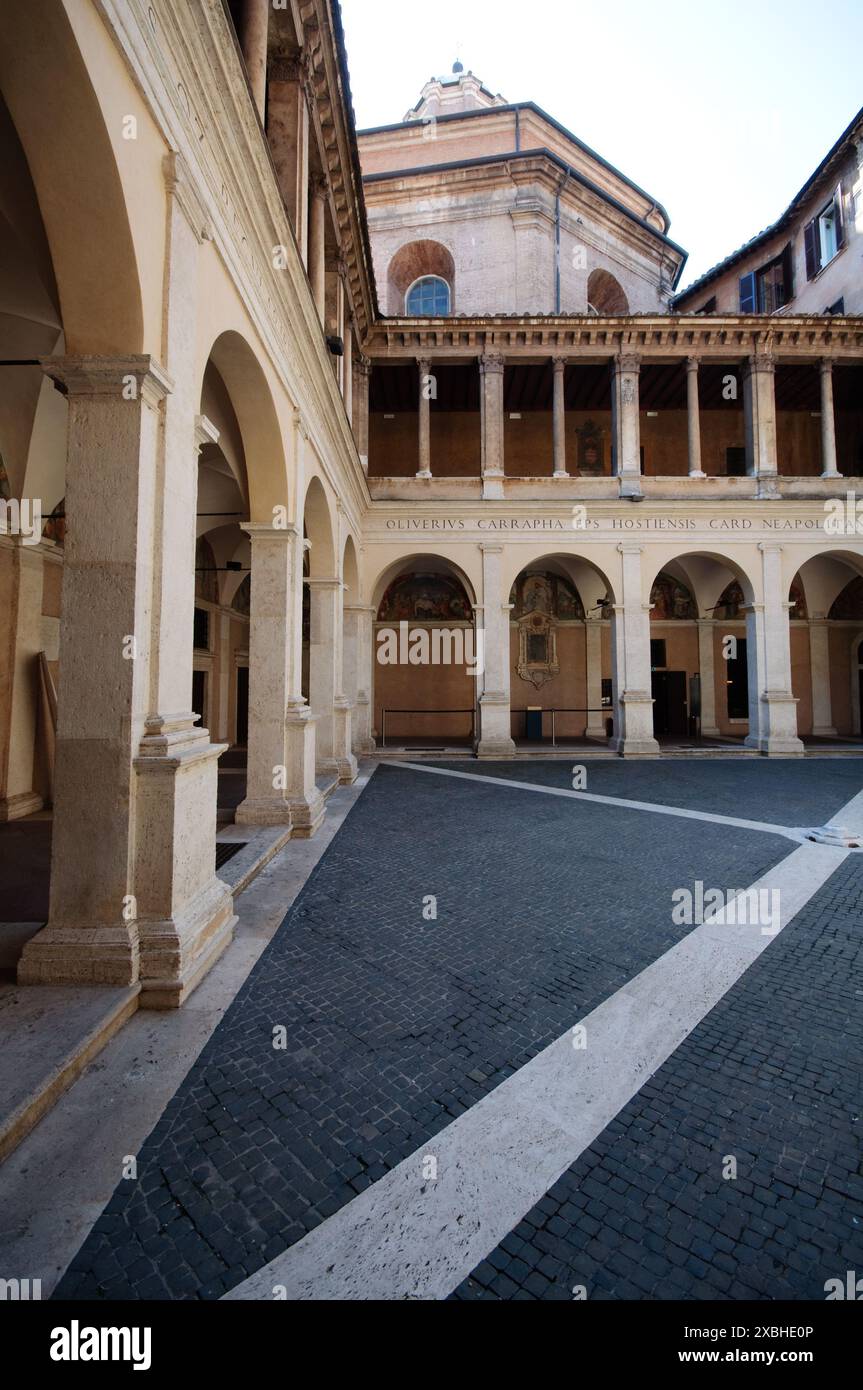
(48, 1035)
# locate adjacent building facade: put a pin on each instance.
(286, 411)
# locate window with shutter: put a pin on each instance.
(747, 293)
(838, 220)
(810, 246)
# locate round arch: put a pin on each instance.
(422, 563)
(350, 572)
(605, 294)
(61, 127)
(252, 404)
(583, 571)
(414, 261)
(706, 573)
(319, 531)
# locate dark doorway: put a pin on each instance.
(669, 708)
(242, 706)
(199, 695)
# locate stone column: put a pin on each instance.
(332, 709)
(317, 240)
(424, 417)
(593, 682)
(772, 706)
(363, 616)
(559, 418)
(21, 574)
(759, 404)
(306, 802)
(633, 731)
(491, 367)
(707, 667)
(111, 856)
(362, 373)
(268, 796)
(348, 364)
(626, 428)
(288, 136)
(254, 22)
(819, 663)
(829, 465)
(693, 419)
(493, 660)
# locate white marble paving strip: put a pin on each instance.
(618, 801)
(409, 1238)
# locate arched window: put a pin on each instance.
(428, 295)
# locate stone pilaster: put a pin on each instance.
(21, 574)
(268, 797)
(559, 418)
(493, 652)
(424, 417)
(593, 678)
(254, 26)
(491, 367)
(693, 419)
(288, 137)
(829, 464)
(633, 721)
(819, 664)
(332, 710)
(318, 192)
(362, 374)
(772, 706)
(759, 405)
(707, 667)
(625, 423)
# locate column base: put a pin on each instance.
(825, 731)
(831, 474)
(19, 805)
(597, 732)
(344, 762)
(185, 913)
(492, 485)
(777, 735)
(696, 473)
(560, 473)
(82, 955)
(711, 732)
(495, 748)
(630, 486)
(635, 722)
(304, 799)
(178, 952)
(424, 473)
(263, 811)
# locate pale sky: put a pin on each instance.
(720, 111)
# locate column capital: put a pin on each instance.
(492, 363)
(693, 363)
(770, 547)
(489, 548)
(424, 365)
(290, 65)
(205, 432)
(627, 362)
(627, 548)
(182, 186)
(559, 364)
(110, 376)
(319, 185)
(826, 365)
(760, 362)
(266, 531)
(362, 366)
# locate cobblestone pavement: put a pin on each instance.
(394, 1025)
(771, 1078)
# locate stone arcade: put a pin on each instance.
(276, 385)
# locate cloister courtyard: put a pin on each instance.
(485, 1037)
